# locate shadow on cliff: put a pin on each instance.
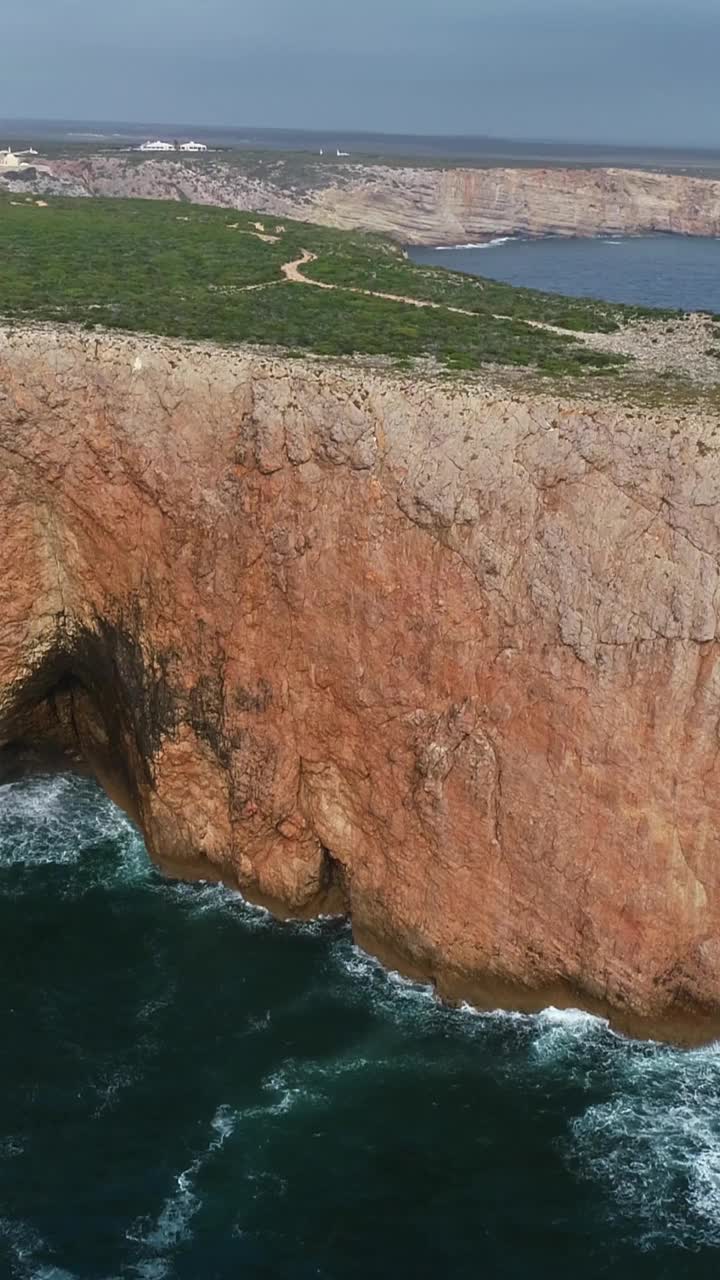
(92, 705)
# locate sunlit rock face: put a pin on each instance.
(441, 657)
(417, 205)
(426, 206)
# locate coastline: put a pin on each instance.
(481, 994)
(480, 765)
(646, 270)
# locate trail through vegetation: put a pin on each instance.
(205, 273)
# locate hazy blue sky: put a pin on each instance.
(615, 70)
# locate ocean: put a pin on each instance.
(653, 271)
(193, 1091)
(430, 148)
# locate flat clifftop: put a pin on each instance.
(418, 204)
(214, 274)
(440, 656)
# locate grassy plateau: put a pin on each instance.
(184, 271)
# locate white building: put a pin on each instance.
(8, 160)
(13, 162)
(193, 146)
(156, 146)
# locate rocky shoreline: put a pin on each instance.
(443, 656)
(421, 206)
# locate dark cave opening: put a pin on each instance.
(65, 719)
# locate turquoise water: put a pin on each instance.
(650, 271)
(191, 1090)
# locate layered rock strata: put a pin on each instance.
(444, 658)
(418, 205)
(441, 206)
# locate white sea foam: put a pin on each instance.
(482, 244)
(557, 1033)
(401, 999)
(25, 1246)
(158, 1240)
(110, 1086)
(652, 1144)
(655, 1144)
(57, 819)
(291, 1089)
(511, 1017)
(202, 897)
(359, 964)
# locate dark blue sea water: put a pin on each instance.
(651, 271)
(190, 1090)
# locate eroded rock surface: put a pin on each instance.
(441, 206)
(416, 205)
(445, 658)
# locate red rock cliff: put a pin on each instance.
(444, 657)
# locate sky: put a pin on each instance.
(620, 71)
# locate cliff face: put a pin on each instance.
(421, 206)
(441, 658)
(455, 205)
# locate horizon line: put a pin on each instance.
(497, 139)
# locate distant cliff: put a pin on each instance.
(456, 205)
(442, 657)
(416, 205)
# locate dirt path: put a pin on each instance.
(292, 272)
(256, 235)
(657, 346)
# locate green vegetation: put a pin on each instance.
(185, 271)
(378, 264)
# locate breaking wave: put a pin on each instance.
(481, 244)
(159, 1238)
(654, 1145)
(269, 1046)
(59, 820)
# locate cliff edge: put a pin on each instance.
(415, 204)
(439, 656)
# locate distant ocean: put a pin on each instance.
(471, 149)
(650, 271)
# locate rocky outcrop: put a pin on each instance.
(417, 205)
(443, 206)
(445, 658)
